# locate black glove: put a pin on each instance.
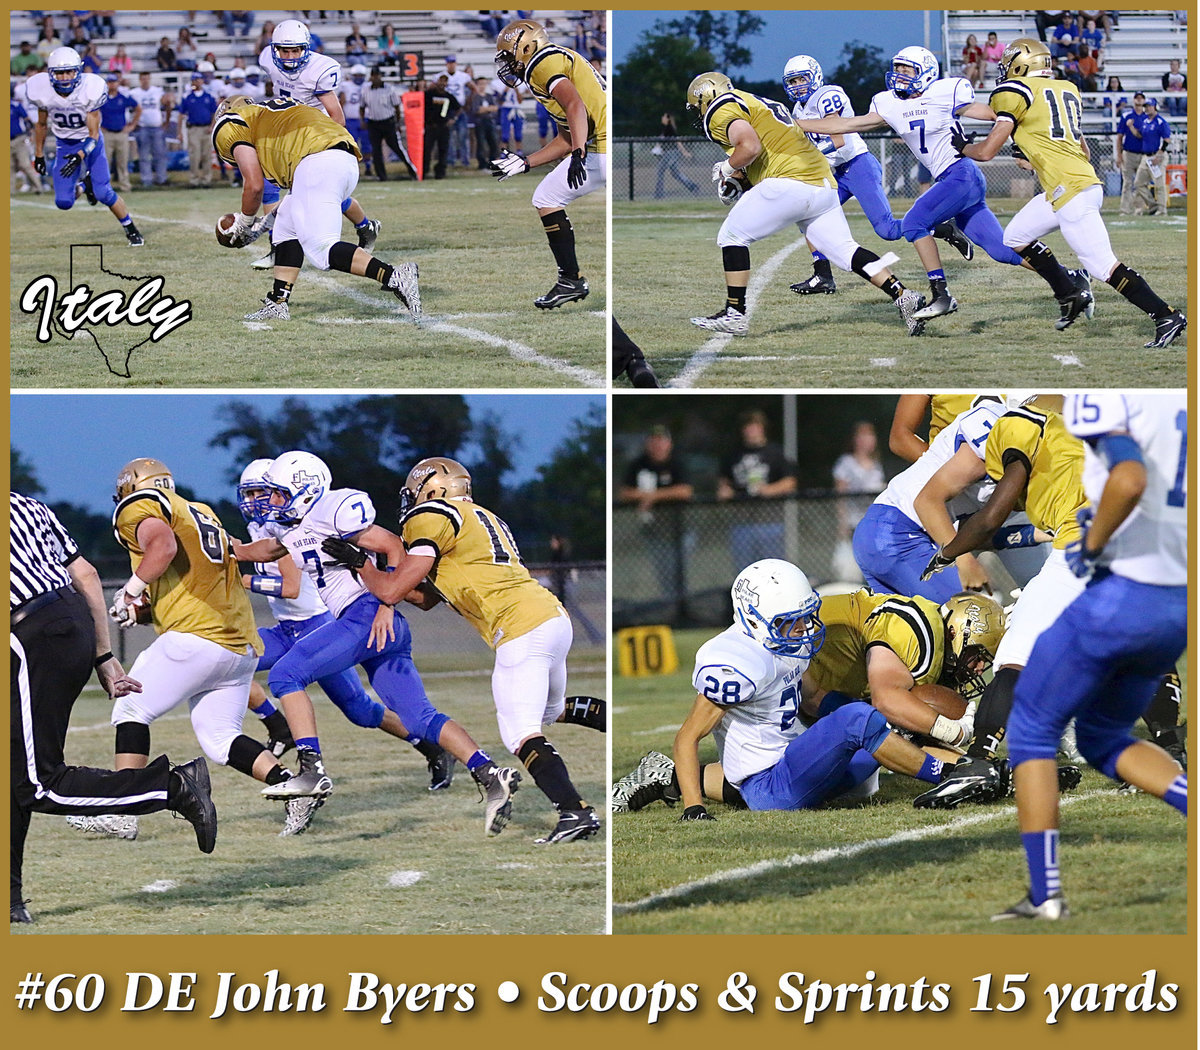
(577, 172)
(71, 165)
(696, 813)
(344, 552)
(1017, 153)
(959, 139)
(39, 165)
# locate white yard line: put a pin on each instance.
(800, 860)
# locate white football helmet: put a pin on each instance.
(920, 71)
(235, 74)
(801, 77)
(303, 479)
(1018, 399)
(777, 607)
(359, 72)
(252, 492)
(65, 68)
(254, 74)
(291, 33)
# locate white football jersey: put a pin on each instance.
(352, 99)
(970, 428)
(150, 99)
(831, 101)
(319, 75)
(255, 92)
(68, 113)
(760, 693)
(1151, 546)
(924, 123)
(340, 512)
(304, 606)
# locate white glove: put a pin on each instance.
(125, 605)
(729, 191)
(242, 231)
(509, 164)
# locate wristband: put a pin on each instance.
(272, 586)
(103, 659)
(135, 586)
(89, 144)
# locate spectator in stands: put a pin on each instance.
(1174, 84)
(77, 36)
(1089, 68)
(209, 59)
(1045, 20)
(656, 477)
(1152, 171)
(118, 118)
(164, 57)
(490, 23)
(1104, 19)
(48, 39)
(482, 109)
(670, 151)
(992, 50)
(858, 472)
(1115, 103)
(149, 133)
(1066, 37)
(245, 18)
(104, 24)
(1129, 150)
(315, 42)
(389, 47)
(26, 60)
(1093, 36)
(186, 55)
(973, 61)
(264, 38)
(356, 46)
(91, 60)
(120, 62)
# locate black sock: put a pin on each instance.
(586, 711)
(561, 236)
(277, 726)
(938, 288)
(550, 774)
(893, 288)
(736, 297)
(277, 776)
(1048, 268)
(994, 708)
(378, 270)
(281, 292)
(1133, 286)
(429, 748)
(1163, 713)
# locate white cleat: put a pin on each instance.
(729, 321)
(112, 824)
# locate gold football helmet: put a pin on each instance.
(516, 45)
(143, 474)
(1023, 58)
(233, 104)
(703, 90)
(975, 624)
(434, 478)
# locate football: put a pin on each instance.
(942, 699)
(224, 225)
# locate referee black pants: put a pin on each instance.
(381, 132)
(52, 659)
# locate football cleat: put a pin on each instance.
(944, 304)
(270, 311)
(1068, 749)
(369, 234)
(1052, 909)
(282, 744)
(267, 262)
(565, 290)
(908, 303)
(111, 824)
(311, 780)
(958, 240)
(441, 771)
(1069, 777)
(403, 283)
(815, 285)
(728, 320)
(497, 787)
(1167, 330)
(298, 814)
(1080, 301)
(135, 239)
(572, 824)
(17, 912)
(88, 191)
(968, 780)
(646, 784)
(194, 802)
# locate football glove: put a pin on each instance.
(245, 229)
(936, 564)
(39, 165)
(959, 139)
(1080, 560)
(729, 191)
(124, 608)
(71, 165)
(577, 172)
(509, 164)
(696, 813)
(344, 552)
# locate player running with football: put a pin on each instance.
(924, 111)
(70, 99)
(575, 95)
(854, 166)
(1042, 116)
(790, 181)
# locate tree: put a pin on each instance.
(22, 477)
(860, 73)
(721, 33)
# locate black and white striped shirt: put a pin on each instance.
(380, 103)
(40, 550)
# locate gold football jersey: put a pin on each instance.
(201, 592)
(283, 132)
(553, 63)
(1054, 460)
(478, 570)
(911, 627)
(787, 152)
(1049, 116)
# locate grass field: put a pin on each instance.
(668, 268)
(383, 855)
(483, 259)
(880, 868)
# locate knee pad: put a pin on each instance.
(346, 204)
(1100, 749)
(362, 710)
(133, 738)
(243, 753)
(911, 231)
(863, 725)
(270, 194)
(431, 728)
(282, 680)
(107, 199)
(289, 253)
(533, 746)
(735, 258)
(64, 204)
(341, 255)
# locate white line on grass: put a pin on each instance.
(160, 886)
(883, 362)
(1067, 359)
(799, 860)
(711, 350)
(404, 879)
(670, 727)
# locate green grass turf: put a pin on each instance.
(483, 260)
(1124, 857)
(667, 268)
(380, 820)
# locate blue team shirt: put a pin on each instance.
(1130, 143)
(17, 121)
(199, 107)
(112, 113)
(1155, 131)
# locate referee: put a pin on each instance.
(381, 110)
(58, 634)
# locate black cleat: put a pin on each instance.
(279, 740)
(565, 290)
(192, 800)
(135, 239)
(953, 236)
(441, 770)
(369, 234)
(88, 192)
(968, 780)
(1069, 777)
(572, 824)
(1167, 330)
(1080, 301)
(17, 912)
(944, 304)
(641, 374)
(815, 285)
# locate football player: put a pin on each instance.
(1100, 661)
(575, 95)
(351, 100)
(70, 99)
(857, 171)
(306, 152)
(456, 551)
(790, 181)
(207, 647)
(924, 111)
(303, 501)
(943, 409)
(629, 360)
(1042, 116)
(299, 73)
